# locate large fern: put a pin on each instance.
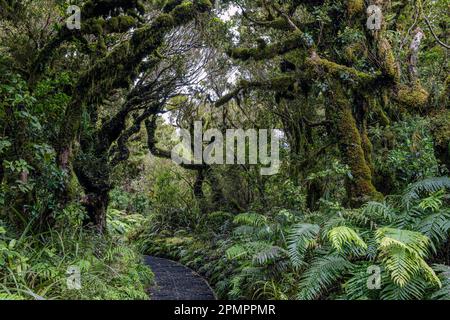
(251, 219)
(403, 253)
(343, 236)
(322, 274)
(444, 274)
(301, 237)
(414, 191)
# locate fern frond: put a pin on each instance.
(236, 252)
(251, 219)
(322, 274)
(414, 191)
(301, 237)
(379, 211)
(413, 289)
(412, 241)
(244, 230)
(343, 236)
(436, 227)
(356, 287)
(403, 253)
(269, 253)
(443, 272)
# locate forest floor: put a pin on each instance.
(174, 281)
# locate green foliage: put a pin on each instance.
(287, 255)
(322, 273)
(301, 237)
(342, 235)
(405, 152)
(34, 266)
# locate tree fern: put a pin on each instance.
(321, 275)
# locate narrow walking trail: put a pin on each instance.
(177, 282)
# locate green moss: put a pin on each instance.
(202, 5)
(295, 40)
(183, 12)
(342, 72)
(113, 23)
(415, 97)
(93, 26)
(171, 4)
(375, 107)
(126, 22)
(351, 144)
(440, 127)
(164, 21)
(386, 55)
(355, 6)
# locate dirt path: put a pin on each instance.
(177, 282)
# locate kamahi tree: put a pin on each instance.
(333, 68)
(113, 56)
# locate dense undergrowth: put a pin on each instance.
(330, 254)
(358, 207)
(36, 265)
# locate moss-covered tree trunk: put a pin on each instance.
(354, 146)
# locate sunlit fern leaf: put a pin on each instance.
(403, 253)
(413, 289)
(251, 219)
(443, 272)
(432, 202)
(333, 222)
(321, 275)
(429, 185)
(300, 238)
(410, 240)
(344, 236)
(401, 264)
(7, 296)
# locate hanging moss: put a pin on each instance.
(440, 129)
(295, 40)
(343, 72)
(375, 107)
